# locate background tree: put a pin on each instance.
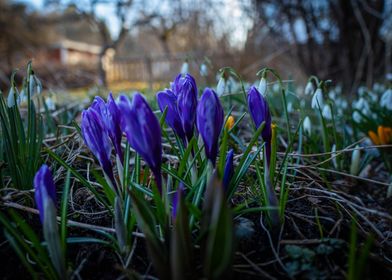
(347, 41)
(127, 12)
(21, 31)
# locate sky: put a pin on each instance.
(236, 22)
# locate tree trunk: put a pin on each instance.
(101, 69)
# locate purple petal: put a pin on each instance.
(143, 131)
(96, 138)
(210, 122)
(168, 99)
(186, 92)
(44, 189)
(177, 196)
(259, 111)
(114, 128)
(229, 169)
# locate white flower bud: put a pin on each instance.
(11, 97)
(35, 85)
(185, 68)
(357, 117)
(203, 70)
(307, 124)
(50, 104)
(334, 161)
(317, 99)
(221, 86)
(355, 161)
(290, 107)
(327, 113)
(262, 87)
(386, 99)
(22, 95)
(309, 89)
(332, 95)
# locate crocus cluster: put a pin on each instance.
(103, 124)
(183, 109)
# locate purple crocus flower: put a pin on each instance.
(179, 194)
(259, 110)
(96, 138)
(110, 116)
(44, 189)
(143, 132)
(184, 87)
(229, 169)
(168, 99)
(210, 122)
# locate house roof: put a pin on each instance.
(78, 46)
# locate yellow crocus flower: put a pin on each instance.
(229, 123)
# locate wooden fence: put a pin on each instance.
(156, 69)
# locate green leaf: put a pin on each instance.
(64, 210)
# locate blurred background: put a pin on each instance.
(142, 44)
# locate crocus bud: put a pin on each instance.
(221, 86)
(309, 89)
(374, 137)
(229, 123)
(386, 99)
(186, 91)
(168, 99)
(44, 189)
(327, 113)
(307, 126)
(143, 132)
(209, 122)
(263, 86)
(97, 140)
(355, 161)
(114, 128)
(229, 170)
(110, 117)
(317, 99)
(259, 110)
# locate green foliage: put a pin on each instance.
(21, 140)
